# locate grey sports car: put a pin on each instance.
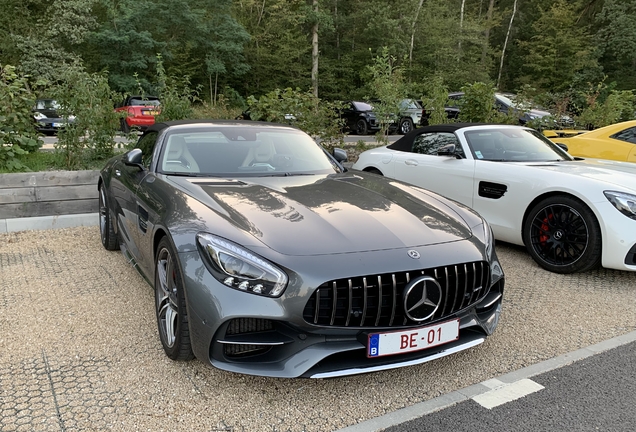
(269, 258)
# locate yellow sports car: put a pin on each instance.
(617, 142)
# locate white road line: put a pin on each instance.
(507, 393)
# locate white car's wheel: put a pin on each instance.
(562, 235)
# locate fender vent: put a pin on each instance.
(492, 190)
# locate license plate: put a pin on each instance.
(152, 113)
(400, 342)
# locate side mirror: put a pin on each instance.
(134, 158)
(447, 150)
(563, 146)
(340, 155)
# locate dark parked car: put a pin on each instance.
(47, 118)
(269, 258)
(141, 112)
(505, 104)
(359, 118)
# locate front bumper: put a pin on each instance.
(277, 341)
(619, 238)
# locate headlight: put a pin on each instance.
(39, 116)
(484, 233)
(488, 238)
(239, 268)
(624, 202)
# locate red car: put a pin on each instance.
(141, 112)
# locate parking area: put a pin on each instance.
(79, 348)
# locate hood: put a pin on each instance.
(315, 215)
(622, 174)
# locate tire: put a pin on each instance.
(170, 304)
(124, 126)
(406, 126)
(106, 229)
(361, 127)
(562, 235)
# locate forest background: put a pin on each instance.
(574, 57)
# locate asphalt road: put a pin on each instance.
(79, 349)
(594, 394)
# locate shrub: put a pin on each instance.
(17, 126)
(88, 100)
(300, 109)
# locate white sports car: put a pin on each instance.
(572, 214)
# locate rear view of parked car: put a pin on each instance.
(141, 112)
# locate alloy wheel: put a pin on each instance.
(166, 297)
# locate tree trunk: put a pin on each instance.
(484, 51)
(314, 53)
(461, 27)
(503, 52)
(417, 14)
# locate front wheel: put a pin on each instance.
(361, 127)
(562, 235)
(406, 126)
(172, 317)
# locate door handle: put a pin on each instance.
(411, 162)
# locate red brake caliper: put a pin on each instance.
(545, 229)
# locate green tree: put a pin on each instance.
(616, 39)
(388, 87)
(560, 51)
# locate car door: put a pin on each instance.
(446, 175)
(125, 185)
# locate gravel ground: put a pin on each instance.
(79, 348)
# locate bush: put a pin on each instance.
(17, 126)
(176, 95)
(89, 100)
(300, 109)
(618, 106)
(435, 99)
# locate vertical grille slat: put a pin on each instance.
(335, 301)
(394, 300)
(377, 318)
(317, 306)
(364, 302)
(357, 302)
(350, 303)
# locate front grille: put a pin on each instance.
(378, 301)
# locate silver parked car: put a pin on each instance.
(267, 257)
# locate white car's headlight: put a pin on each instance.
(239, 268)
(624, 202)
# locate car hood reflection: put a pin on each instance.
(314, 215)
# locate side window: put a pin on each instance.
(628, 135)
(430, 143)
(147, 145)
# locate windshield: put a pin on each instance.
(231, 151)
(46, 104)
(144, 102)
(363, 106)
(513, 145)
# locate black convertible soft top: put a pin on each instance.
(406, 142)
